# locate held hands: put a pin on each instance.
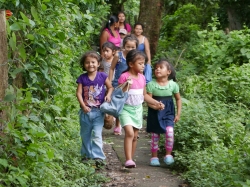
(130, 81)
(160, 106)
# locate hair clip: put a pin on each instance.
(109, 21)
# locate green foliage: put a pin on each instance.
(40, 140)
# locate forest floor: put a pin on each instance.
(143, 175)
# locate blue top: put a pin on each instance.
(141, 46)
(93, 92)
(120, 67)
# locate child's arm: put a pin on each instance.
(110, 90)
(152, 103)
(178, 103)
(80, 99)
(112, 67)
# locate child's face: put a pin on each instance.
(108, 53)
(130, 45)
(91, 64)
(161, 70)
(138, 65)
(122, 35)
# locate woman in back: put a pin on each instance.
(110, 33)
(143, 41)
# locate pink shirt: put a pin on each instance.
(114, 40)
(135, 93)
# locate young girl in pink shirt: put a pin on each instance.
(131, 115)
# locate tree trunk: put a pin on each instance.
(3, 63)
(233, 19)
(150, 17)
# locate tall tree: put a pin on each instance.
(150, 16)
(3, 61)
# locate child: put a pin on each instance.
(119, 65)
(123, 33)
(91, 94)
(108, 50)
(159, 122)
(131, 115)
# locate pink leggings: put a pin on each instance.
(169, 143)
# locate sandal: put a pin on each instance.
(168, 159)
(118, 130)
(154, 161)
(130, 164)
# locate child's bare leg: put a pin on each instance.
(134, 141)
(128, 141)
(154, 161)
(117, 129)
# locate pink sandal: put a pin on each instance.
(130, 164)
(118, 130)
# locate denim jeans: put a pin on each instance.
(91, 133)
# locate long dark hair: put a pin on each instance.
(133, 55)
(169, 66)
(92, 54)
(112, 20)
(121, 12)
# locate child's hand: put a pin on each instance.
(86, 109)
(176, 119)
(162, 106)
(130, 81)
(107, 98)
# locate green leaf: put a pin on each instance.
(34, 118)
(61, 36)
(44, 7)
(50, 154)
(41, 50)
(15, 72)
(30, 36)
(47, 117)
(22, 52)
(4, 162)
(25, 19)
(34, 14)
(15, 26)
(9, 97)
(56, 108)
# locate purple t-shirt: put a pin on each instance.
(93, 92)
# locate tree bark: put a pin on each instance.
(3, 63)
(233, 19)
(150, 17)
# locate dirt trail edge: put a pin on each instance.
(143, 175)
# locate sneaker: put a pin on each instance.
(130, 164)
(118, 130)
(154, 161)
(168, 159)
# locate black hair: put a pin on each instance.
(112, 20)
(169, 66)
(92, 54)
(109, 45)
(133, 55)
(129, 38)
(121, 12)
(138, 23)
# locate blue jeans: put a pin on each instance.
(91, 133)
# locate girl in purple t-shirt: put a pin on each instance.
(91, 94)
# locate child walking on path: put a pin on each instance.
(119, 65)
(91, 94)
(108, 50)
(162, 122)
(131, 115)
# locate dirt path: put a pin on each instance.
(143, 175)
